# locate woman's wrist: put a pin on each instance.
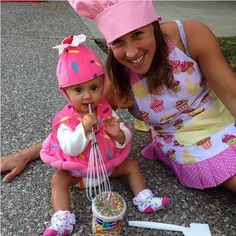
(31, 153)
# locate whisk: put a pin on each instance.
(97, 180)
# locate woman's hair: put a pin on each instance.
(160, 71)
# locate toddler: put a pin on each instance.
(80, 74)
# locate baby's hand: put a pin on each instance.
(112, 126)
(88, 121)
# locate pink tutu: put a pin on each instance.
(205, 174)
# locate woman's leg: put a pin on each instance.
(230, 184)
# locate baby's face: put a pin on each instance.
(81, 95)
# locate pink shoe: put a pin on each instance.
(53, 232)
(153, 204)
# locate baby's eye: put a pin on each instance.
(78, 90)
(94, 87)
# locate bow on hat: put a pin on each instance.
(72, 41)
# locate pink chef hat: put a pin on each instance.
(115, 18)
(77, 63)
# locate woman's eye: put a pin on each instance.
(116, 43)
(137, 34)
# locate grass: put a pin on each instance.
(228, 47)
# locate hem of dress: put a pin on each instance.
(209, 173)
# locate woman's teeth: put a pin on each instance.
(138, 60)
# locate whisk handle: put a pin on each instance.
(93, 133)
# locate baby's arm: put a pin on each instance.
(72, 142)
(116, 129)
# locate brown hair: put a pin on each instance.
(159, 73)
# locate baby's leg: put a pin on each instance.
(131, 168)
(60, 184)
(63, 220)
(144, 199)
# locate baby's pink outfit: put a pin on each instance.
(52, 153)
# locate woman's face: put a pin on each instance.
(136, 49)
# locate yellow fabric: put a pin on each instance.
(141, 126)
(215, 118)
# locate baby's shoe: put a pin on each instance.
(148, 204)
(62, 224)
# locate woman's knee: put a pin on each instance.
(230, 184)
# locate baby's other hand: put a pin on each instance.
(112, 126)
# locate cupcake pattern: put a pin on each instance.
(182, 66)
(229, 139)
(179, 124)
(205, 143)
(157, 105)
(171, 154)
(175, 86)
(140, 90)
(170, 110)
(145, 115)
(182, 105)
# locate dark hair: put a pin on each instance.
(160, 71)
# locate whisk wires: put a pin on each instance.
(97, 179)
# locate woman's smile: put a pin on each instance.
(137, 61)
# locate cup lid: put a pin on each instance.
(109, 206)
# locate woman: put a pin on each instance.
(174, 77)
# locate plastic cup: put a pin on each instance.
(108, 211)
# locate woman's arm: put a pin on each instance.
(16, 162)
(204, 48)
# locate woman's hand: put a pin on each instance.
(15, 163)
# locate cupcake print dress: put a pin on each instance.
(195, 133)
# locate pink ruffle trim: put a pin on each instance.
(205, 174)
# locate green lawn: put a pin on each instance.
(228, 46)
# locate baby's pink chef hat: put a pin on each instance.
(115, 18)
(77, 63)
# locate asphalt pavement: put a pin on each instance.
(30, 97)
